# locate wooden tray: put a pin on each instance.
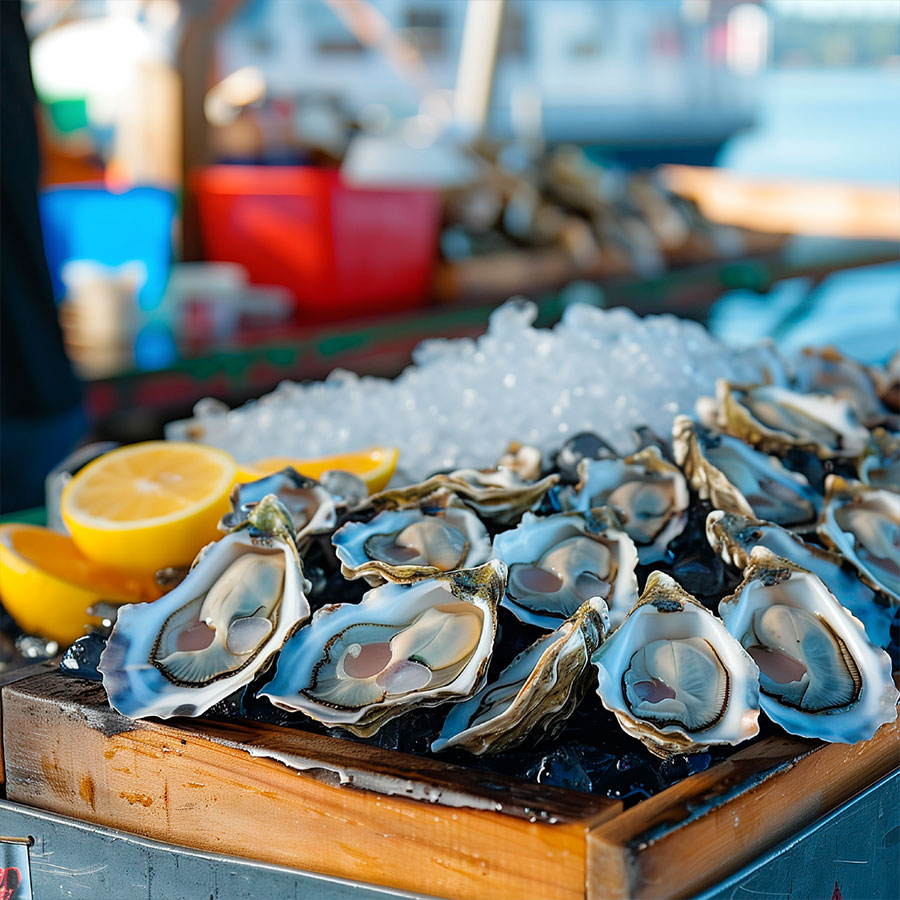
(347, 809)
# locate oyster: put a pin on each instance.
(311, 507)
(535, 694)
(879, 463)
(674, 677)
(735, 477)
(863, 524)
(774, 419)
(733, 538)
(497, 495)
(406, 544)
(827, 371)
(243, 597)
(358, 665)
(819, 676)
(557, 563)
(526, 461)
(647, 493)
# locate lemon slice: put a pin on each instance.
(47, 584)
(150, 505)
(374, 465)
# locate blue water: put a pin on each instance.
(823, 123)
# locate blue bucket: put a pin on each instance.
(91, 222)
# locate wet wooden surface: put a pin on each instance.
(322, 804)
(342, 808)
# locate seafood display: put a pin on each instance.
(603, 620)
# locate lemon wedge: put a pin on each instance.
(47, 584)
(374, 465)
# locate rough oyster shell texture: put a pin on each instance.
(535, 694)
(736, 478)
(774, 419)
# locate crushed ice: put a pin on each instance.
(463, 400)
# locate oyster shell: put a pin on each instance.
(674, 677)
(863, 524)
(774, 419)
(820, 676)
(358, 665)
(735, 477)
(879, 463)
(648, 494)
(535, 694)
(733, 538)
(406, 544)
(243, 597)
(827, 371)
(497, 495)
(311, 507)
(523, 459)
(557, 563)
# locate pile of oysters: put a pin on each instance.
(748, 563)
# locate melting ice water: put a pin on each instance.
(462, 401)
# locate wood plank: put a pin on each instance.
(10, 676)
(706, 827)
(284, 796)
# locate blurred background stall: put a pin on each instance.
(242, 191)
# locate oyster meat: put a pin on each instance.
(558, 562)
(243, 597)
(733, 538)
(358, 665)
(863, 524)
(774, 419)
(647, 493)
(674, 677)
(535, 694)
(736, 478)
(819, 675)
(405, 544)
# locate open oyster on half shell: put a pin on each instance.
(311, 507)
(648, 494)
(775, 419)
(827, 371)
(820, 676)
(879, 464)
(535, 694)
(498, 495)
(406, 544)
(241, 600)
(733, 537)
(357, 665)
(558, 562)
(674, 677)
(863, 524)
(736, 478)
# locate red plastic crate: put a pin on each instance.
(343, 252)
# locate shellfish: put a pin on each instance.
(358, 665)
(241, 600)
